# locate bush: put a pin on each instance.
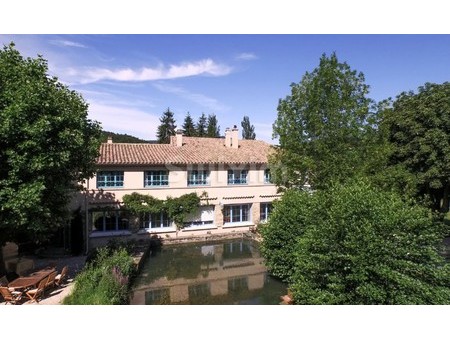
(287, 222)
(104, 281)
(360, 245)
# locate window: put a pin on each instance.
(158, 296)
(109, 179)
(156, 178)
(236, 213)
(204, 216)
(238, 284)
(264, 211)
(109, 220)
(198, 177)
(156, 220)
(267, 176)
(237, 176)
(199, 291)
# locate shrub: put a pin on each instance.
(355, 244)
(104, 281)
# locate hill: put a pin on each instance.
(122, 138)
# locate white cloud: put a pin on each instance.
(246, 56)
(186, 69)
(125, 120)
(200, 99)
(67, 43)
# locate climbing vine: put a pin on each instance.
(176, 208)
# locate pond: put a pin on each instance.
(228, 272)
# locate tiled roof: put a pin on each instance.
(195, 150)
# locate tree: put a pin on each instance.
(418, 131)
(323, 127)
(47, 146)
(213, 129)
(188, 126)
(248, 130)
(167, 127)
(201, 126)
(360, 245)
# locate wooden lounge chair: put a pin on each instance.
(34, 294)
(59, 279)
(10, 296)
(51, 280)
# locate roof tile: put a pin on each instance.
(195, 150)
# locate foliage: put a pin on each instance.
(47, 146)
(248, 130)
(286, 223)
(201, 126)
(418, 131)
(137, 203)
(167, 127)
(105, 281)
(188, 126)
(176, 208)
(120, 138)
(324, 127)
(213, 129)
(362, 245)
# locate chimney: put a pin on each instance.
(109, 140)
(235, 137)
(179, 138)
(228, 138)
(232, 137)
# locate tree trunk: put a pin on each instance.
(2, 263)
(445, 199)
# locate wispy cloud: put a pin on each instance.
(67, 43)
(162, 72)
(200, 99)
(246, 56)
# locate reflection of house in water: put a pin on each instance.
(232, 270)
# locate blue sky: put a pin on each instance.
(129, 80)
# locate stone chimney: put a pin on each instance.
(232, 137)
(179, 138)
(228, 138)
(235, 137)
(109, 140)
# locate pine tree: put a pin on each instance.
(213, 129)
(188, 126)
(201, 126)
(166, 128)
(248, 130)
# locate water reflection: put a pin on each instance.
(231, 272)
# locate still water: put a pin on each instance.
(230, 272)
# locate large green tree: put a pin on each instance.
(189, 126)
(213, 129)
(47, 146)
(356, 244)
(167, 128)
(248, 129)
(417, 126)
(323, 127)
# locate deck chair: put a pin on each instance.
(10, 296)
(51, 280)
(34, 294)
(59, 279)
